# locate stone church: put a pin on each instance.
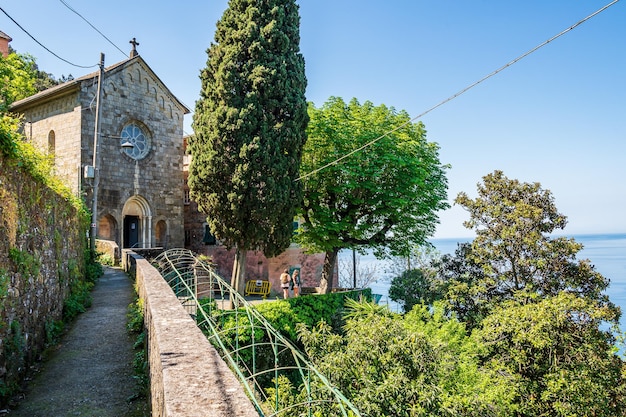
(139, 147)
(142, 193)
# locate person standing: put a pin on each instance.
(295, 282)
(285, 282)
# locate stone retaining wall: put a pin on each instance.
(42, 249)
(187, 376)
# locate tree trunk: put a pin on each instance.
(326, 283)
(238, 278)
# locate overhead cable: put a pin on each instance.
(94, 28)
(43, 46)
(460, 92)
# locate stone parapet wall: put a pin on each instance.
(187, 376)
(109, 248)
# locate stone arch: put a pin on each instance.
(137, 228)
(108, 228)
(160, 233)
(110, 87)
(135, 75)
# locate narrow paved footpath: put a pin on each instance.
(90, 372)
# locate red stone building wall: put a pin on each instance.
(260, 267)
(4, 44)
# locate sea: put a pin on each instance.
(607, 252)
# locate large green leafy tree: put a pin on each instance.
(249, 129)
(18, 75)
(555, 350)
(540, 313)
(385, 196)
(513, 222)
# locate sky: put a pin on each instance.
(556, 117)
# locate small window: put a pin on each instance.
(186, 198)
(51, 142)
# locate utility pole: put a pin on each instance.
(96, 166)
(353, 268)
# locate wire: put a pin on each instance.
(452, 97)
(89, 23)
(43, 46)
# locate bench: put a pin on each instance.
(258, 287)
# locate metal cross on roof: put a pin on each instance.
(133, 52)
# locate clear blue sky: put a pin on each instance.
(557, 117)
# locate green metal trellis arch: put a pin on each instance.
(243, 336)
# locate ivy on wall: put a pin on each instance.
(45, 272)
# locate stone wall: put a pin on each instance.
(187, 376)
(42, 244)
(58, 120)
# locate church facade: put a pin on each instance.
(139, 150)
(142, 192)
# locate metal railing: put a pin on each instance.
(277, 376)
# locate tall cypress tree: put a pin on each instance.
(249, 127)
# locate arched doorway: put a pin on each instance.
(131, 232)
(137, 228)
